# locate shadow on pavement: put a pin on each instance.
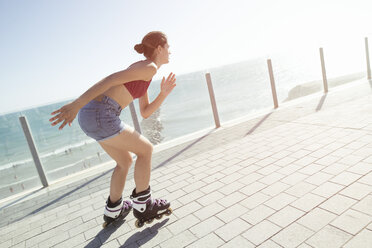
(321, 102)
(258, 124)
(146, 235)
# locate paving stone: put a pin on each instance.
(252, 188)
(211, 187)
(308, 202)
(187, 209)
(145, 238)
(261, 232)
(329, 237)
(338, 204)
(286, 216)
(294, 178)
(280, 201)
(231, 213)
(366, 179)
(232, 229)
(232, 199)
(112, 244)
(230, 188)
(208, 199)
(289, 169)
(327, 189)
(181, 240)
(271, 178)
(335, 168)
(275, 189)
(361, 168)
(258, 214)
(357, 191)
(352, 221)
(362, 239)
(300, 189)
(364, 206)
(254, 200)
(292, 236)
(209, 241)
(71, 242)
(316, 219)
(183, 224)
(345, 178)
(212, 209)
(319, 178)
(207, 226)
(60, 237)
(250, 178)
(311, 169)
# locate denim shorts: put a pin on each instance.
(100, 120)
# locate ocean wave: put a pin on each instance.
(57, 152)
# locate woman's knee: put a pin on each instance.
(146, 150)
(125, 162)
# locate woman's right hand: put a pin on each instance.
(66, 114)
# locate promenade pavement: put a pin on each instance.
(298, 176)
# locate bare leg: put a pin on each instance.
(118, 148)
(124, 161)
(142, 171)
(117, 182)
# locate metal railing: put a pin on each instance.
(38, 163)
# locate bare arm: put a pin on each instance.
(146, 108)
(68, 112)
(128, 75)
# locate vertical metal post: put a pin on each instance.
(368, 64)
(134, 118)
(213, 100)
(272, 81)
(35, 154)
(325, 83)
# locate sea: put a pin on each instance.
(241, 89)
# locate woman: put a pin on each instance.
(100, 108)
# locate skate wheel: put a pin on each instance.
(158, 217)
(149, 221)
(104, 225)
(138, 224)
(169, 211)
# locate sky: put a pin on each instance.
(54, 50)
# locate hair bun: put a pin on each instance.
(140, 48)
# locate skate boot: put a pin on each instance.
(145, 209)
(116, 211)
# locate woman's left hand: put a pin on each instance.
(168, 85)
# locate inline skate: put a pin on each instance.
(116, 211)
(146, 209)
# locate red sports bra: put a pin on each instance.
(137, 88)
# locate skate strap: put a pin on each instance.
(142, 198)
(127, 205)
(141, 205)
(115, 209)
(160, 202)
(113, 212)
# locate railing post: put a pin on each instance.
(134, 118)
(272, 81)
(367, 55)
(213, 100)
(325, 83)
(35, 154)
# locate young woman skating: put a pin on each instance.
(98, 111)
